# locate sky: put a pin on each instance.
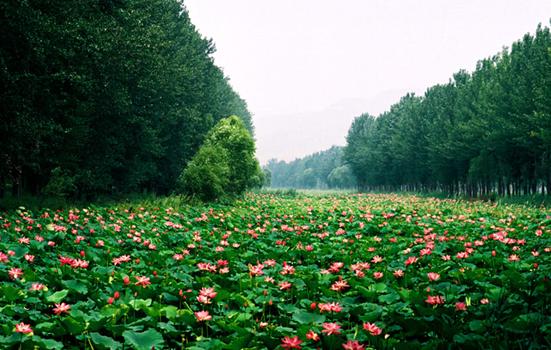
(307, 68)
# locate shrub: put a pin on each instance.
(224, 165)
(61, 184)
(206, 175)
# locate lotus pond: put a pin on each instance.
(335, 271)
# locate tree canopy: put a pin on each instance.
(484, 132)
(320, 170)
(225, 165)
(105, 97)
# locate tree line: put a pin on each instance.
(321, 170)
(104, 96)
(485, 132)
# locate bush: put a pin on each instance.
(206, 176)
(224, 165)
(61, 184)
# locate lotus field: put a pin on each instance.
(328, 271)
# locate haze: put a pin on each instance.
(307, 68)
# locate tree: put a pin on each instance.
(225, 164)
(267, 177)
(118, 94)
(311, 171)
(207, 174)
(484, 132)
(342, 178)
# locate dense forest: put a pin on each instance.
(105, 96)
(484, 132)
(321, 170)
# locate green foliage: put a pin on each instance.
(117, 94)
(273, 266)
(232, 135)
(316, 171)
(57, 296)
(225, 165)
(144, 340)
(267, 177)
(207, 175)
(481, 134)
(341, 177)
(61, 184)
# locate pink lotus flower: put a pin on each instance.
(339, 285)
(37, 287)
(208, 292)
(372, 328)
(311, 335)
(23, 328)
(15, 273)
(256, 270)
(121, 259)
(434, 300)
(61, 308)
(83, 264)
(335, 307)
(287, 269)
(330, 328)
(203, 299)
(284, 285)
(411, 260)
(460, 306)
(203, 316)
(335, 267)
(291, 343)
(433, 276)
(142, 281)
(207, 267)
(269, 262)
(425, 251)
(65, 260)
(398, 273)
(376, 259)
(330, 307)
(352, 345)
(377, 275)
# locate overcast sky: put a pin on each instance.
(307, 67)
